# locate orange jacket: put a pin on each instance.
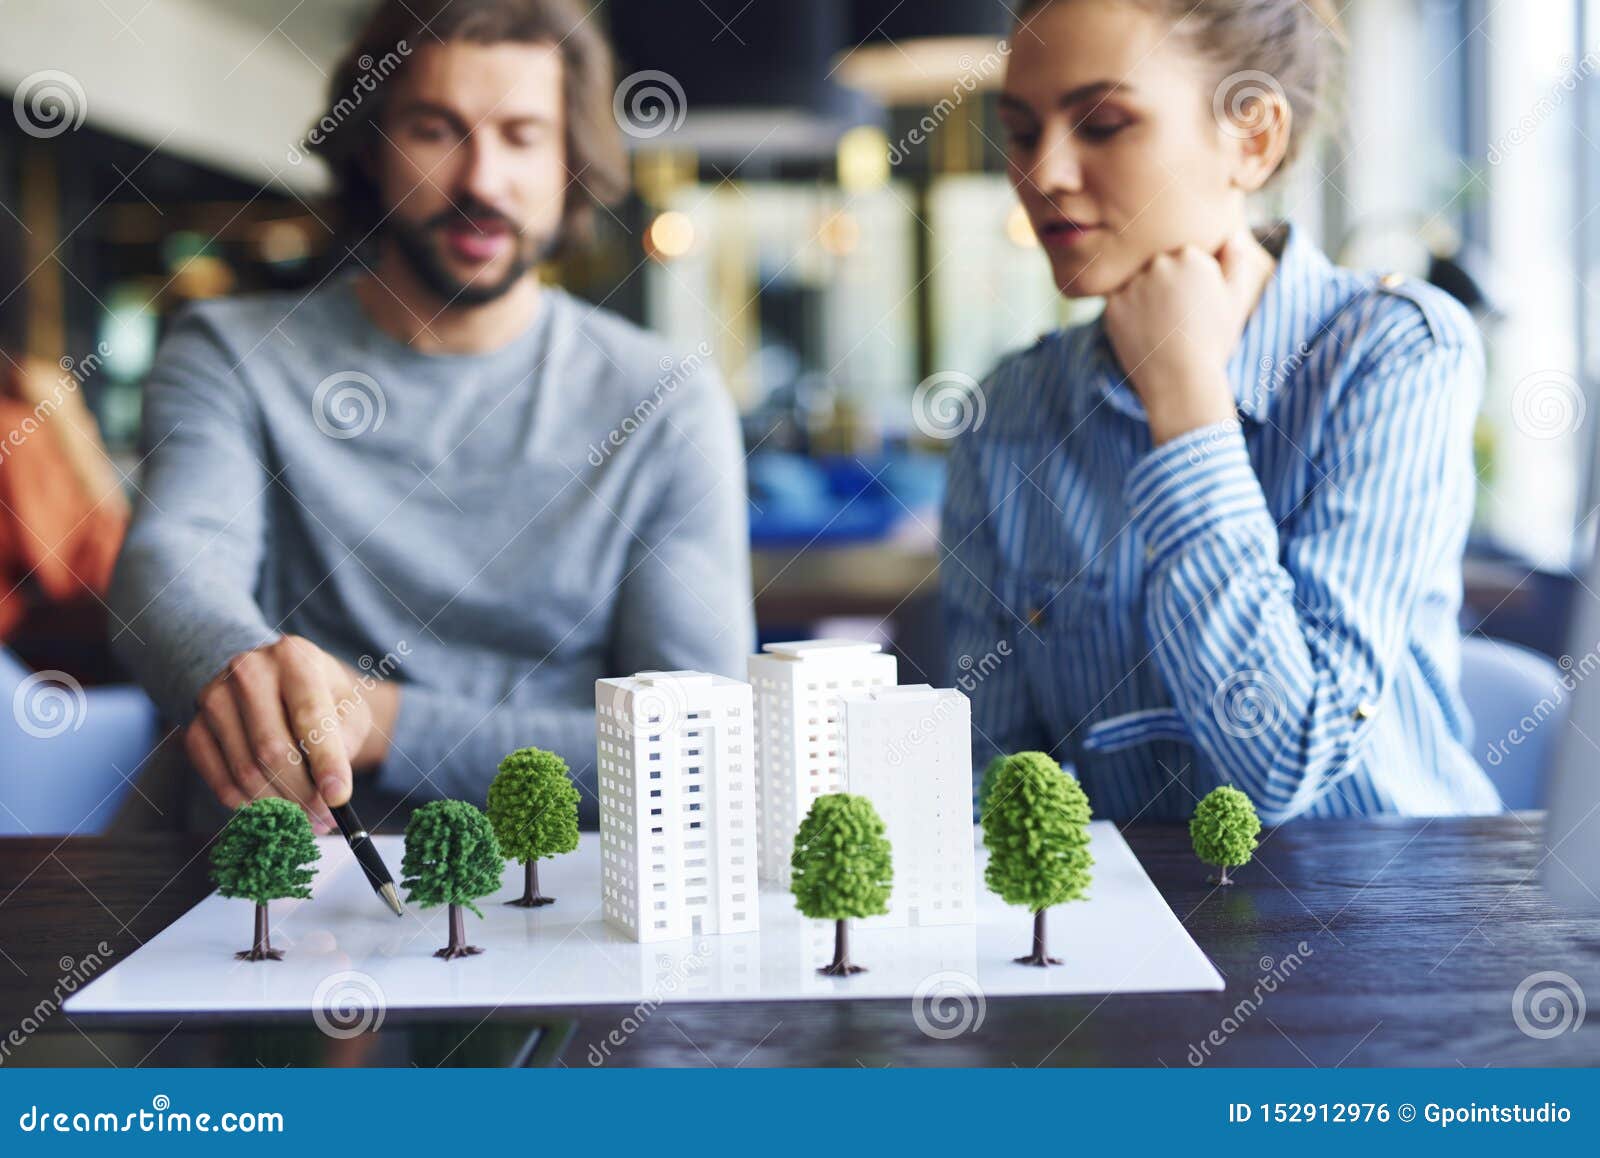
(56, 544)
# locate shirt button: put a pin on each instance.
(1391, 280)
(1149, 554)
(1366, 709)
(1035, 616)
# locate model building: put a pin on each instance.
(799, 753)
(908, 749)
(675, 764)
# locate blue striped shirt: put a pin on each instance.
(1270, 603)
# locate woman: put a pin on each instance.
(1221, 526)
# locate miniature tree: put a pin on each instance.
(1224, 829)
(452, 858)
(533, 806)
(264, 854)
(1036, 828)
(841, 869)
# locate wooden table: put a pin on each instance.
(1417, 934)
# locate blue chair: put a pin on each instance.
(1504, 686)
(67, 754)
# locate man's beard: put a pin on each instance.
(418, 246)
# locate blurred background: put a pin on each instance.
(820, 200)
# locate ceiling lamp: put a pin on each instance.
(913, 53)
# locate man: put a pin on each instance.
(371, 531)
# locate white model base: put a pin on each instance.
(342, 945)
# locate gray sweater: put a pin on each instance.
(496, 531)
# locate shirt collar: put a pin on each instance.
(1276, 338)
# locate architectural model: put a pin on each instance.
(675, 765)
(1036, 828)
(265, 854)
(533, 806)
(452, 858)
(799, 753)
(841, 868)
(1224, 829)
(908, 749)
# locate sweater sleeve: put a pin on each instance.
(183, 596)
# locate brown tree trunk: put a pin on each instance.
(1041, 951)
(261, 949)
(531, 897)
(458, 946)
(840, 965)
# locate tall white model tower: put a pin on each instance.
(908, 749)
(800, 754)
(677, 804)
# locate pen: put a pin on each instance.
(355, 833)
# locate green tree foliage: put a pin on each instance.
(1036, 828)
(265, 853)
(841, 861)
(1224, 829)
(452, 857)
(533, 806)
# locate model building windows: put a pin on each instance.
(688, 758)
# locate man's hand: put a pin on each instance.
(1175, 325)
(288, 719)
